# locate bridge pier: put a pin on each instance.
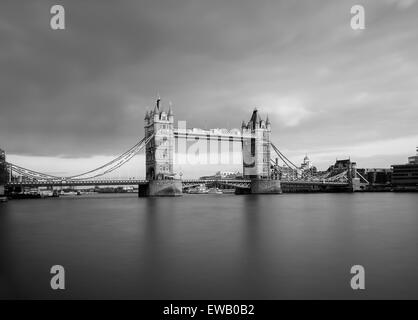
(161, 188)
(261, 186)
(265, 186)
(354, 185)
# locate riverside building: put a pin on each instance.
(405, 176)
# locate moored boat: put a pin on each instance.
(201, 189)
(215, 191)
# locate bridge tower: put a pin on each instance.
(256, 155)
(159, 154)
(3, 172)
(354, 183)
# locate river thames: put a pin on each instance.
(211, 246)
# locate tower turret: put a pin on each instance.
(255, 120)
(170, 113)
(158, 103)
(156, 113)
(163, 115)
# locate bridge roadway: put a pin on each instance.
(315, 183)
(239, 183)
(76, 183)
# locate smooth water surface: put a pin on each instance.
(211, 246)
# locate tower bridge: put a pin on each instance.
(159, 152)
(261, 173)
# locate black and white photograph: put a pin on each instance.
(208, 154)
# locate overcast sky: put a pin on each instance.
(78, 96)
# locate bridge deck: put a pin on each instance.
(237, 182)
(77, 183)
(320, 183)
(216, 180)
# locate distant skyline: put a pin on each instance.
(77, 97)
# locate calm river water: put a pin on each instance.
(211, 246)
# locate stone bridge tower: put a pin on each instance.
(256, 155)
(160, 150)
(256, 147)
(159, 153)
(4, 175)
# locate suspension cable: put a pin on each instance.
(31, 172)
(120, 162)
(283, 159)
(282, 155)
(110, 162)
(117, 162)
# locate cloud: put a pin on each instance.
(403, 4)
(82, 93)
(287, 111)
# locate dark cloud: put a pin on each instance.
(83, 91)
